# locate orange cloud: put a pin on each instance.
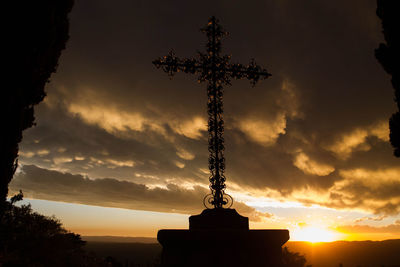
(356, 140)
(263, 131)
(309, 166)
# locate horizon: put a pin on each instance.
(63, 210)
(146, 240)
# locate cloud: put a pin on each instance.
(26, 154)
(184, 154)
(378, 218)
(355, 229)
(371, 178)
(108, 192)
(108, 118)
(110, 113)
(93, 151)
(179, 164)
(192, 128)
(121, 123)
(350, 142)
(253, 214)
(43, 152)
(263, 131)
(120, 163)
(380, 130)
(304, 163)
(60, 160)
(356, 139)
(369, 191)
(148, 158)
(265, 128)
(376, 191)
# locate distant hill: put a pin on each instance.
(120, 239)
(144, 251)
(349, 253)
(128, 254)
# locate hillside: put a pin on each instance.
(144, 251)
(355, 253)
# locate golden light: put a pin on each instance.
(314, 234)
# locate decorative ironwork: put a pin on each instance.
(217, 71)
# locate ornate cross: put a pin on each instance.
(217, 71)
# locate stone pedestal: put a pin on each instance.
(221, 237)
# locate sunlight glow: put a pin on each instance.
(314, 234)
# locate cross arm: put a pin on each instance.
(252, 72)
(172, 64)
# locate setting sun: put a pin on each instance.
(314, 234)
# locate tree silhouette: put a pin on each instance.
(388, 55)
(30, 239)
(293, 259)
(35, 37)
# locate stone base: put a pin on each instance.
(222, 247)
(221, 237)
(218, 219)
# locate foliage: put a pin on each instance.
(35, 35)
(28, 238)
(293, 259)
(388, 54)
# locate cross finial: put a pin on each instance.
(217, 71)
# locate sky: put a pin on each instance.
(121, 149)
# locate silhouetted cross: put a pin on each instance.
(217, 71)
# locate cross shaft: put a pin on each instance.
(217, 71)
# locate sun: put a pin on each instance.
(314, 234)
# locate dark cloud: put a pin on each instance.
(81, 148)
(297, 136)
(108, 192)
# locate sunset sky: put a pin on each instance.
(120, 149)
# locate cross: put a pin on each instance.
(217, 71)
